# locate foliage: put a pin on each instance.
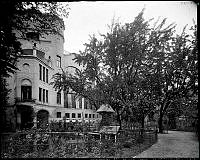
(136, 68)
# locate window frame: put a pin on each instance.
(58, 61)
(47, 75)
(40, 94)
(58, 97)
(40, 72)
(74, 115)
(43, 96)
(67, 114)
(79, 115)
(43, 74)
(58, 113)
(47, 96)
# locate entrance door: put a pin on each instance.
(42, 119)
(25, 117)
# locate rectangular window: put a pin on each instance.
(26, 93)
(47, 96)
(58, 98)
(80, 103)
(40, 94)
(86, 115)
(85, 103)
(47, 76)
(89, 115)
(58, 61)
(67, 115)
(66, 100)
(73, 115)
(93, 115)
(44, 74)
(58, 114)
(43, 95)
(79, 115)
(40, 71)
(73, 101)
(97, 116)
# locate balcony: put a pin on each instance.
(39, 54)
(17, 100)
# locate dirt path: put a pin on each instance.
(175, 144)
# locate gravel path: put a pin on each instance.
(175, 144)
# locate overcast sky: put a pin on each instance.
(87, 18)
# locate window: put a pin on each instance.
(85, 103)
(86, 115)
(58, 61)
(73, 101)
(44, 74)
(26, 93)
(93, 115)
(66, 100)
(47, 96)
(47, 76)
(97, 116)
(58, 98)
(58, 114)
(43, 95)
(40, 94)
(80, 103)
(89, 115)
(67, 115)
(79, 115)
(40, 71)
(73, 115)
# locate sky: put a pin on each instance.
(88, 18)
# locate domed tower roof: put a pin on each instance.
(105, 108)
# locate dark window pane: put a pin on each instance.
(73, 115)
(93, 115)
(58, 114)
(80, 102)
(40, 70)
(44, 74)
(65, 100)
(86, 115)
(67, 115)
(47, 76)
(89, 115)
(79, 115)
(73, 101)
(47, 96)
(58, 98)
(40, 94)
(26, 93)
(43, 95)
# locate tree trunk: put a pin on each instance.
(142, 123)
(160, 125)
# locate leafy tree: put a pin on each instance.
(175, 69)
(135, 68)
(41, 17)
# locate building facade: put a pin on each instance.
(36, 101)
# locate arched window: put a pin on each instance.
(26, 90)
(26, 66)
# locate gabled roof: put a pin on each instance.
(105, 108)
